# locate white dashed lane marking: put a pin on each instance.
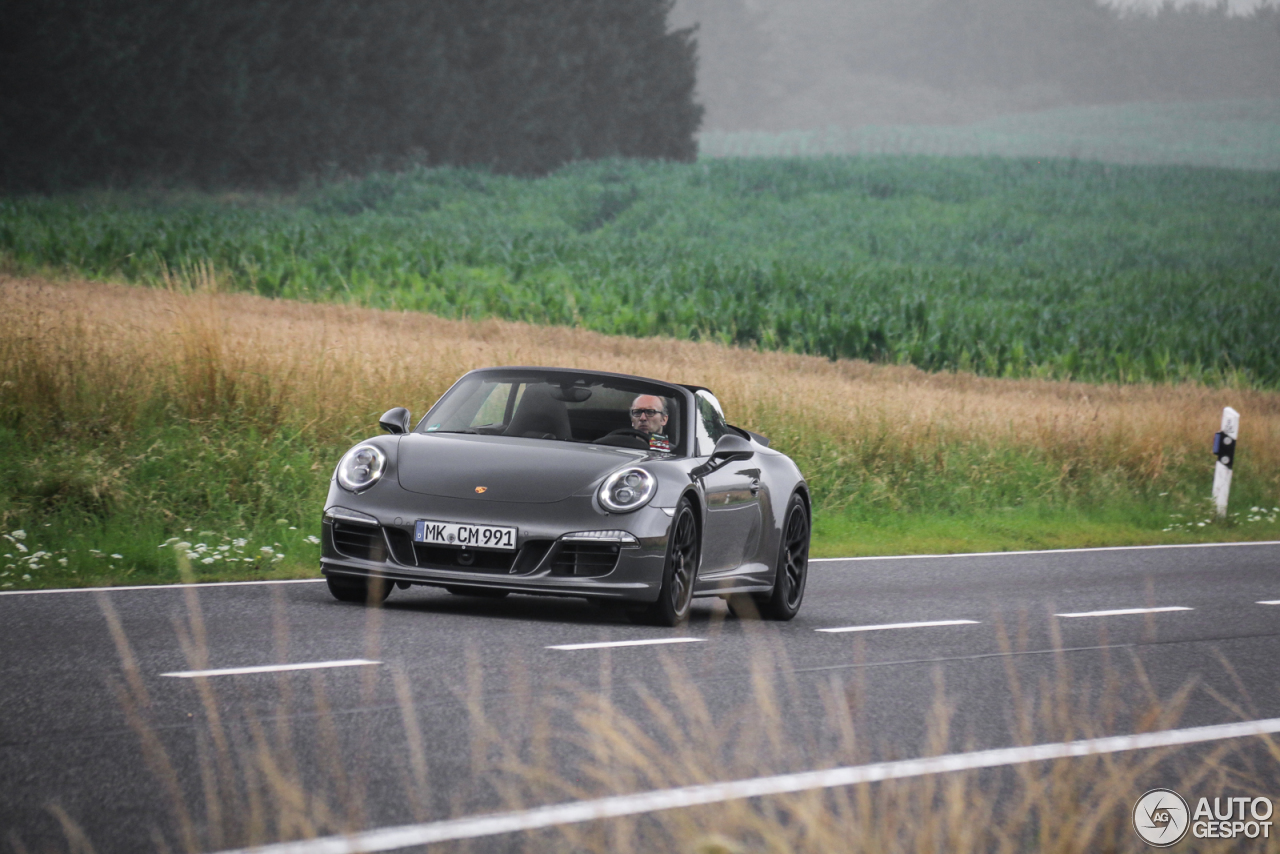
(271, 668)
(927, 625)
(609, 644)
(1270, 602)
(1126, 611)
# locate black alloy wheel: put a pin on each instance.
(353, 588)
(793, 565)
(681, 570)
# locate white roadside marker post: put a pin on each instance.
(1224, 455)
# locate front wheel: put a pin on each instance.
(675, 598)
(353, 588)
(793, 565)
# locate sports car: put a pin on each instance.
(613, 488)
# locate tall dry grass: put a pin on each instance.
(289, 775)
(103, 355)
(90, 353)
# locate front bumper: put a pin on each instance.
(377, 543)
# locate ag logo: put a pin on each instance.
(1161, 817)
(481, 490)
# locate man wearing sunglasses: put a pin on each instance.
(649, 414)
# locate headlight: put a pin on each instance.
(627, 490)
(361, 468)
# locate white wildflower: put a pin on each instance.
(277, 558)
(313, 539)
(239, 542)
(19, 534)
(208, 560)
(22, 548)
(117, 557)
(192, 555)
(267, 550)
(62, 561)
(26, 578)
(183, 545)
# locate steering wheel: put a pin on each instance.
(625, 433)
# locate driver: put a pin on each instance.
(649, 414)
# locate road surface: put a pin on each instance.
(878, 644)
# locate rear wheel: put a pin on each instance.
(354, 588)
(793, 565)
(675, 598)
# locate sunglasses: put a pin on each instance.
(646, 413)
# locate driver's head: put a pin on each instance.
(649, 413)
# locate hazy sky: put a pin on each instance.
(1237, 6)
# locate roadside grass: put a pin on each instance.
(302, 769)
(137, 419)
(840, 533)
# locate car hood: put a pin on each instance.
(537, 471)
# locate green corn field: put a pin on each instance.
(1020, 267)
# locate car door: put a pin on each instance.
(732, 495)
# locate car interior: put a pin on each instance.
(567, 412)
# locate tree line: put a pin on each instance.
(273, 92)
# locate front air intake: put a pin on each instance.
(584, 559)
(362, 542)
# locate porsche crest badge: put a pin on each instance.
(480, 490)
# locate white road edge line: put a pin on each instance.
(609, 644)
(811, 560)
(1047, 551)
(1122, 612)
(1270, 602)
(270, 668)
(901, 626)
(160, 586)
(576, 812)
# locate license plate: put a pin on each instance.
(465, 536)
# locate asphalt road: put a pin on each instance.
(486, 685)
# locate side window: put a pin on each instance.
(710, 422)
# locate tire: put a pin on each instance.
(684, 547)
(793, 565)
(351, 588)
(482, 592)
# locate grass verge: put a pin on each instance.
(142, 422)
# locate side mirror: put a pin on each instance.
(395, 420)
(730, 449)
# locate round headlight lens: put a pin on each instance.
(627, 490)
(361, 468)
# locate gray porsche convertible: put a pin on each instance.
(563, 482)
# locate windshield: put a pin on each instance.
(564, 407)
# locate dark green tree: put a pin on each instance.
(262, 92)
